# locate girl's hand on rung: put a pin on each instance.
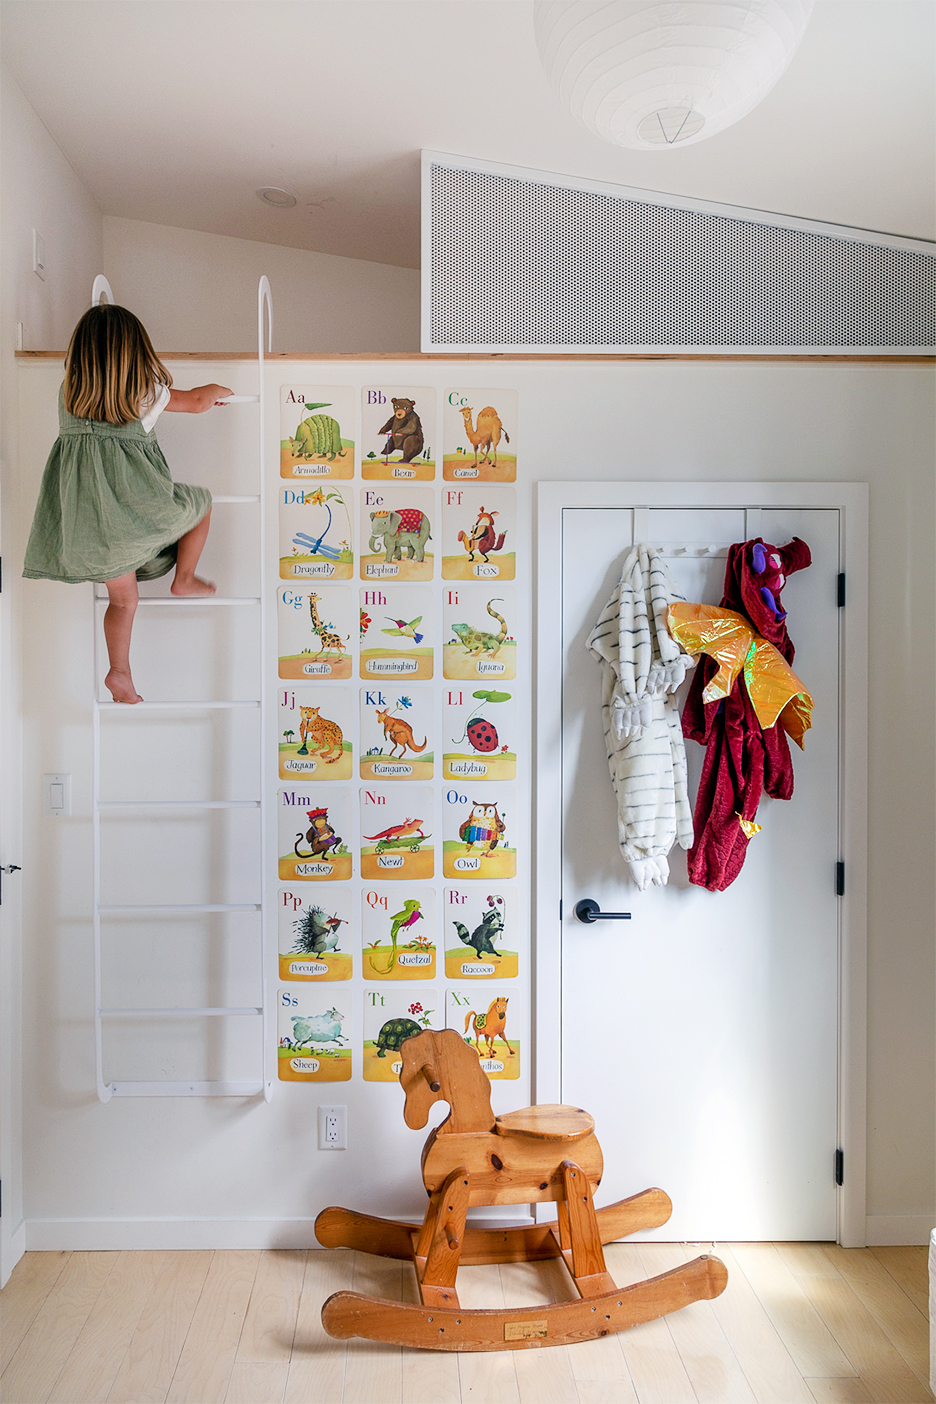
(196, 401)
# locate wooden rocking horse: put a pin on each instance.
(475, 1158)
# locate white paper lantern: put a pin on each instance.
(650, 74)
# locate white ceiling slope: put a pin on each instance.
(176, 111)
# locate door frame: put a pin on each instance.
(851, 501)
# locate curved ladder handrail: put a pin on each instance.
(99, 286)
(264, 303)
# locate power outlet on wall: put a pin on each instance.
(333, 1128)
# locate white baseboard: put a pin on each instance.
(89, 1235)
(898, 1230)
(12, 1252)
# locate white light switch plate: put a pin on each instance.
(56, 796)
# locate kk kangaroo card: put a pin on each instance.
(398, 533)
(479, 733)
(399, 933)
(477, 823)
(479, 529)
(396, 733)
(391, 1015)
(315, 933)
(396, 634)
(396, 832)
(314, 831)
(479, 933)
(486, 1020)
(479, 436)
(315, 533)
(479, 633)
(316, 627)
(316, 431)
(314, 1036)
(398, 433)
(315, 727)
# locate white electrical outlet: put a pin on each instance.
(333, 1128)
(56, 796)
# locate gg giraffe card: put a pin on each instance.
(315, 533)
(315, 624)
(479, 738)
(396, 733)
(477, 840)
(314, 828)
(315, 933)
(479, 436)
(391, 1015)
(479, 925)
(315, 727)
(398, 433)
(487, 1020)
(396, 634)
(314, 1036)
(398, 931)
(479, 529)
(316, 431)
(479, 633)
(396, 832)
(398, 528)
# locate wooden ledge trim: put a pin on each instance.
(351, 357)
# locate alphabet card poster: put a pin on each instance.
(315, 533)
(479, 737)
(479, 531)
(314, 1029)
(398, 532)
(477, 841)
(479, 925)
(316, 431)
(398, 433)
(479, 633)
(314, 930)
(479, 436)
(315, 726)
(398, 926)
(396, 633)
(314, 829)
(396, 733)
(396, 832)
(486, 1017)
(315, 624)
(391, 1015)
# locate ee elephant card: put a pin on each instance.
(399, 933)
(313, 1035)
(315, 625)
(315, 726)
(396, 733)
(479, 933)
(479, 436)
(391, 1015)
(479, 529)
(315, 533)
(479, 733)
(316, 431)
(477, 840)
(314, 834)
(396, 833)
(487, 1021)
(396, 634)
(479, 634)
(398, 530)
(398, 433)
(314, 933)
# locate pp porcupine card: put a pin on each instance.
(315, 933)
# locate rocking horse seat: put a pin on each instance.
(549, 1122)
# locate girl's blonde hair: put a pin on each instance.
(111, 367)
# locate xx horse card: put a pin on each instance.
(479, 633)
(314, 933)
(396, 634)
(479, 436)
(316, 431)
(396, 832)
(479, 733)
(315, 533)
(316, 626)
(398, 531)
(398, 433)
(314, 726)
(399, 933)
(479, 927)
(314, 1036)
(477, 824)
(396, 733)
(486, 1018)
(314, 834)
(479, 530)
(391, 1015)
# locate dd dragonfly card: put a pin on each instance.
(314, 830)
(479, 633)
(315, 933)
(479, 933)
(314, 1036)
(315, 726)
(316, 431)
(398, 533)
(316, 628)
(398, 433)
(479, 739)
(396, 832)
(479, 436)
(396, 733)
(315, 533)
(398, 928)
(477, 832)
(487, 1019)
(479, 532)
(392, 1015)
(396, 634)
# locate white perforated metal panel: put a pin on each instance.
(518, 260)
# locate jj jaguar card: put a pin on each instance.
(315, 725)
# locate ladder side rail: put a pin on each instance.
(264, 306)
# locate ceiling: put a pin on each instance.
(176, 111)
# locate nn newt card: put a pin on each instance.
(478, 928)
(398, 533)
(315, 726)
(479, 733)
(477, 824)
(314, 834)
(396, 832)
(315, 533)
(396, 634)
(487, 1019)
(316, 625)
(479, 532)
(314, 933)
(396, 733)
(479, 633)
(314, 1036)
(392, 1015)
(398, 433)
(316, 431)
(479, 436)
(399, 933)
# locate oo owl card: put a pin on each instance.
(479, 739)
(315, 624)
(398, 529)
(477, 841)
(314, 828)
(314, 1036)
(398, 433)
(315, 733)
(396, 733)
(479, 529)
(396, 634)
(479, 634)
(398, 932)
(478, 928)
(316, 431)
(392, 1015)
(396, 832)
(479, 436)
(487, 1021)
(314, 934)
(315, 533)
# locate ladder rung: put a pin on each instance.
(178, 1013)
(178, 804)
(185, 1089)
(247, 497)
(136, 706)
(190, 600)
(180, 907)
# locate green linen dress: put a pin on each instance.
(108, 505)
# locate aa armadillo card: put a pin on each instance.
(314, 834)
(479, 436)
(396, 733)
(477, 832)
(315, 533)
(392, 1015)
(315, 726)
(479, 530)
(396, 832)
(314, 1028)
(398, 533)
(487, 1019)
(315, 933)
(398, 433)
(398, 927)
(479, 933)
(316, 431)
(479, 633)
(396, 633)
(316, 627)
(479, 733)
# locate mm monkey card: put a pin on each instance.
(314, 933)
(398, 433)
(398, 933)
(397, 527)
(316, 429)
(315, 533)
(479, 530)
(479, 633)
(396, 833)
(477, 823)
(392, 1015)
(479, 733)
(396, 634)
(316, 626)
(479, 436)
(314, 834)
(396, 733)
(315, 725)
(314, 1035)
(478, 927)
(487, 1018)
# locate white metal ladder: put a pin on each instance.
(218, 1087)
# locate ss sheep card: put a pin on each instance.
(314, 1030)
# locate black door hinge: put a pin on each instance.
(840, 590)
(840, 879)
(840, 1167)
(560, 908)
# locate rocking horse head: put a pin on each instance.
(442, 1067)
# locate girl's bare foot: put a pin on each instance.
(192, 585)
(120, 686)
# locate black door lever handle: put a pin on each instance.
(588, 911)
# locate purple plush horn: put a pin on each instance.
(758, 559)
(768, 597)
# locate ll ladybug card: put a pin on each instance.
(479, 733)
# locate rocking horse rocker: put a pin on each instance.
(474, 1158)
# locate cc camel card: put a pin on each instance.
(479, 436)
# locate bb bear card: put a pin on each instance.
(398, 433)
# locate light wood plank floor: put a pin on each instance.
(798, 1324)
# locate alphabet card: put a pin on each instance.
(315, 533)
(479, 735)
(396, 733)
(479, 529)
(477, 927)
(479, 634)
(398, 433)
(396, 634)
(315, 625)
(314, 827)
(316, 428)
(487, 1021)
(390, 1017)
(396, 832)
(396, 528)
(398, 927)
(315, 733)
(476, 833)
(313, 1036)
(314, 934)
(479, 436)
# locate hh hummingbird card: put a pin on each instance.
(398, 533)
(396, 628)
(314, 1036)
(315, 533)
(391, 1015)
(479, 436)
(316, 431)
(396, 733)
(315, 726)
(314, 834)
(479, 530)
(315, 933)
(477, 824)
(398, 931)
(398, 433)
(479, 633)
(479, 733)
(396, 832)
(479, 932)
(316, 628)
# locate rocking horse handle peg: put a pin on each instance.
(429, 1073)
(588, 910)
